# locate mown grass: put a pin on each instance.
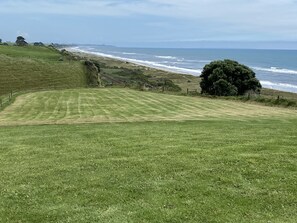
(194, 171)
(148, 158)
(125, 105)
(44, 53)
(33, 68)
(8, 99)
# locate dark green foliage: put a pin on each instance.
(228, 78)
(0, 41)
(66, 54)
(97, 65)
(21, 41)
(224, 88)
(135, 78)
(125, 77)
(101, 64)
(135, 75)
(93, 76)
(283, 102)
(38, 44)
(167, 84)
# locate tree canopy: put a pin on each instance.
(228, 78)
(21, 41)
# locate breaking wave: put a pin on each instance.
(143, 62)
(167, 57)
(276, 70)
(280, 86)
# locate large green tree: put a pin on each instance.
(228, 78)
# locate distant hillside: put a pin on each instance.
(34, 68)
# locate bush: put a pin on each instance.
(228, 78)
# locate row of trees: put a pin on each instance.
(21, 41)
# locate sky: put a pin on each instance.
(155, 23)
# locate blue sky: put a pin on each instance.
(150, 22)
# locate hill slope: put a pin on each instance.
(33, 68)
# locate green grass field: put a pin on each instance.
(233, 162)
(120, 155)
(124, 105)
(35, 68)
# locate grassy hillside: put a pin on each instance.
(193, 171)
(124, 105)
(33, 68)
(48, 54)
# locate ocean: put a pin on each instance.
(276, 69)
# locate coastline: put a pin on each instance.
(272, 71)
(148, 64)
(186, 82)
(123, 62)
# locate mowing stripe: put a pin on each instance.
(125, 105)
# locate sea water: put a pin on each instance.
(276, 69)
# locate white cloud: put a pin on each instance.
(213, 9)
(242, 15)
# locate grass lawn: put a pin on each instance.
(193, 171)
(124, 105)
(171, 159)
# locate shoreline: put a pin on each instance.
(275, 78)
(148, 64)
